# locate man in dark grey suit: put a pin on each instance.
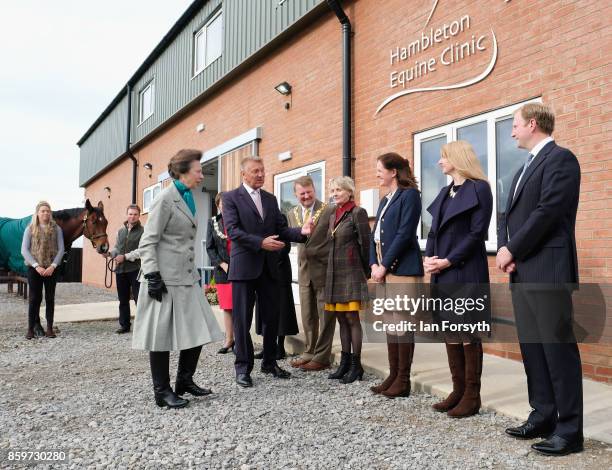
(256, 227)
(537, 247)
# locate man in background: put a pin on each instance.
(127, 262)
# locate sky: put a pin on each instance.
(61, 63)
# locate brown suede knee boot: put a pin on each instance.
(392, 354)
(470, 402)
(456, 364)
(401, 385)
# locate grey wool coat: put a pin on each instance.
(347, 268)
(183, 319)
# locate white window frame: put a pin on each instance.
(296, 173)
(284, 178)
(141, 117)
(154, 189)
(450, 132)
(202, 31)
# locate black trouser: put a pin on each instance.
(126, 282)
(36, 283)
(551, 359)
(266, 289)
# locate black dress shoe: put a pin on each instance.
(529, 430)
(276, 371)
(557, 445)
(244, 380)
(169, 399)
(258, 355)
(226, 349)
(192, 388)
(122, 330)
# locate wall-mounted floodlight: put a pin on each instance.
(283, 88)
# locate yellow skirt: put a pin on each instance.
(352, 306)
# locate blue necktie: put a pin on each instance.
(525, 166)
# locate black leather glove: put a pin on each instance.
(156, 285)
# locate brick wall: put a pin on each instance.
(553, 49)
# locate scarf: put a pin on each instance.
(340, 211)
(186, 194)
(43, 245)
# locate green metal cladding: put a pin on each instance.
(248, 25)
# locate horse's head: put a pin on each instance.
(94, 227)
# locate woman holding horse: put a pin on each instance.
(42, 249)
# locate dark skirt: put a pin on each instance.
(287, 321)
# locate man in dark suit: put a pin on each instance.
(537, 247)
(254, 225)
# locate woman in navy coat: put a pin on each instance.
(395, 258)
(456, 255)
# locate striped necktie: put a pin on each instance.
(525, 166)
(257, 200)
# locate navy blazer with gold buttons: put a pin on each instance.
(401, 254)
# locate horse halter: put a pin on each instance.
(93, 237)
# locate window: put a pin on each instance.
(283, 184)
(490, 136)
(146, 102)
(283, 189)
(208, 43)
(148, 196)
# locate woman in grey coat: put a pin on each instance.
(172, 313)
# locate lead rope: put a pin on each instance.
(110, 268)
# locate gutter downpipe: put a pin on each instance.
(347, 139)
(127, 143)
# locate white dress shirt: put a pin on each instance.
(540, 145)
(377, 230)
(256, 196)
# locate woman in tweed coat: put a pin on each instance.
(346, 289)
(172, 313)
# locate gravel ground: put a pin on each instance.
(88, 393)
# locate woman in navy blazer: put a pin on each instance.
(395, 258)
(456, 254)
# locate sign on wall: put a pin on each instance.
(416, 59)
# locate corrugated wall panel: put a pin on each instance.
(105, 144)
(248, 25)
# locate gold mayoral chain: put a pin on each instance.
(314, 218)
